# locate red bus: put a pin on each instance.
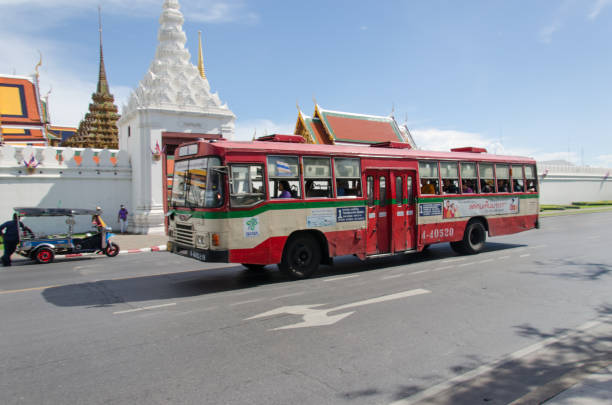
(279, 201)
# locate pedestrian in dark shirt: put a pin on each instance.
(10, 235)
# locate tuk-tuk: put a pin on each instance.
(42, 247)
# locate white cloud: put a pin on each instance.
(259, 127)
(445, 139)
(598, 8)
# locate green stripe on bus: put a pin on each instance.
(270, 207)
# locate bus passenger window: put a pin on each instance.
(428, 171)
(503, 178)
(409, 192)
(317, 177)
(518, 184)
(348, 177)
(284, 176)
(246, 185)
(469, 178)
(530, 176)
(399, 193)
(450, 177)
(382, 191)
(370, 190)
(487, 178)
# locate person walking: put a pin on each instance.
(122, 217)
(10, 235)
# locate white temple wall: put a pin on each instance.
(77, 181)
(568, 184)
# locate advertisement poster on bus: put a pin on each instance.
(460, 208)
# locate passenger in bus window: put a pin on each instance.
(427, 187)
(449, 186)
(468, 187)
(487, 186)
(517, 185)
(283, 187)
(531, 187)
(503, 186)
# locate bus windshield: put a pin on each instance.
(197, 184)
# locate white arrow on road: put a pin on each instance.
(319, 317)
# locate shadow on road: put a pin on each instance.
(580, 270)
(534, 377)
(209, 281)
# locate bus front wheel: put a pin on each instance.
(301, 257)
(473, 239)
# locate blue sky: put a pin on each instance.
(516, 76)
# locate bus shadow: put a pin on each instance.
(196, 283)
(349, 264)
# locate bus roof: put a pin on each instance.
(233, 147)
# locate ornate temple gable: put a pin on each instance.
(173, 82)
(99, 127)
(331, 127)
(21, 120)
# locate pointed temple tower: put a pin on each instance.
(172, 104)
(99, 127)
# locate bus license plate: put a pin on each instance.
(197, 255)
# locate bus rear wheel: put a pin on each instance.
(473, 239)
(301, 257)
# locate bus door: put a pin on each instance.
(379, 212)
(402, 211)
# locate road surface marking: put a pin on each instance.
(485, 261)
(525, 255)
(319, 317)
(28, 289)
(393, 276)
(431, 392)
(340, 278)
(459, 259)
(504, 257)
(145, 308)
(442, 268)
(287, 296)
(465, 264)
(245, 302)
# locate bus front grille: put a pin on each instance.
(184, 234)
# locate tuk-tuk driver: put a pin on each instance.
(10, 234)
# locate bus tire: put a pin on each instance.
(254, 267)
(473, 239)
(301, 257)
(43, 255)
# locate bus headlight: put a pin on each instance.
(200, 239)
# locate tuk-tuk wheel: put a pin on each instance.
(44, 255)
(112, 249)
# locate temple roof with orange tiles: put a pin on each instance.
(22, 120)
(335, 127)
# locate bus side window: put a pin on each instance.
(469, 178)
(284, 176)
(348, 177)
(530, 176)
(370, 190)
(317, 177)
(503, 178)
(487, 178)
(450, 177)
(428, 172)
(246, 185)
(518, 184)
(382, 191)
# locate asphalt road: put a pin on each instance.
(157, 328)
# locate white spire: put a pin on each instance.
(172, 81)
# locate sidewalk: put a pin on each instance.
(142, 243)
(596, 389)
